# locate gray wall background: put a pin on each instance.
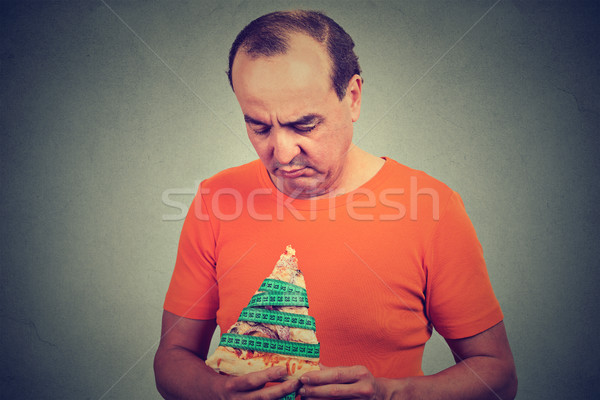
(112, 112)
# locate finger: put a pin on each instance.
(359, 390)
(256, 380)
(278, 390)
(310, 374)
(336, 391)
(334, 375)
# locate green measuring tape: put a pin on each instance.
(273, 285)
(277, 318)
(278, 299)
(267, 345)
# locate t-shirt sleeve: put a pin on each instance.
(193, 291)
(460, 301)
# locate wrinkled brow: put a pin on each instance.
(304, 120)
(251, 120)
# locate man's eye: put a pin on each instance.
(304, 128)
(260, 130)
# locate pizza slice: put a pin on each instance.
(275, 329)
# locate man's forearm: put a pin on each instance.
(475, 378)
(181, 374)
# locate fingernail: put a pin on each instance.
(302, 391)
(304, 379)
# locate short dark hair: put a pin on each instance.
(269, 36)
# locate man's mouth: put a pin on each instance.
(290, 173)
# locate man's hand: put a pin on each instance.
(252, 386)
(485, 369)
(354, 382)
(182, 374)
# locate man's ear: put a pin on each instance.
(354, 94)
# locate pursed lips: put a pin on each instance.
(290, 173)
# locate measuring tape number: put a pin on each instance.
(274, 285)
(277, 318)
(267, 345)
(278, 299)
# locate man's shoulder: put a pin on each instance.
(411, 177)
(235, 177)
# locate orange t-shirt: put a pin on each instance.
(383, 264)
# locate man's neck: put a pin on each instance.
(360, 168)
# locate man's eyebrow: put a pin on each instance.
(305, 120)
(253, 121)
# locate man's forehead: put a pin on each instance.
(302, 50)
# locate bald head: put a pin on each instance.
(270, 35)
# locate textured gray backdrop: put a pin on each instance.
(112, 112)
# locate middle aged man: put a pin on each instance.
(387, 252)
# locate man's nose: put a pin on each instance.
(285, 145)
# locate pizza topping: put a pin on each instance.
(283, 332)
(262, 331)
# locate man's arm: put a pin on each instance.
(485, 369)
(181, 373)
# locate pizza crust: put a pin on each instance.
(226, 360)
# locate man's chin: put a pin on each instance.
(307, 184)
(302, 187)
